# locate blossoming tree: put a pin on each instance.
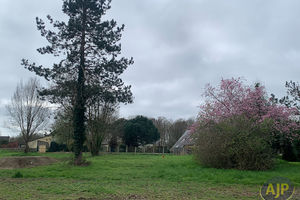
(234, 98)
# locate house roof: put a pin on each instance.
(4, 138)
(184, 140)
(41, 138)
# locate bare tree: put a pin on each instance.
(28, 113)
(62, 128)
(177, 130)
(163, 126)
(100, 117)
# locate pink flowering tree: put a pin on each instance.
(234, 98)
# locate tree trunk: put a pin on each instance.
(94, 150)
(134, 150)
(26, 150)
(126, 148)
(78, 159)
(79, 109)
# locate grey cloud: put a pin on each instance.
(178, 46)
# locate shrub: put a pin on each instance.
(236, 142)
(55, 147)
(291, 151)
(18, 175)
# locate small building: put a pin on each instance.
(185, 144)
(4, 140)
(41, 144)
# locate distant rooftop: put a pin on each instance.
(185, 140)
(4, 138)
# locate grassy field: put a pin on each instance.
(129, 176)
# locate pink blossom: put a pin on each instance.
(233, 98)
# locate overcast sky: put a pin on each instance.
(178, 46)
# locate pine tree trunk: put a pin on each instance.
(78, 159)
(79, 109)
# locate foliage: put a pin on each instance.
(140, 131)
(117, 128)
(17, 175)
(235, 143)
(90, 68)
(28, 114)
(292, 99)
(100, 118)
(62, 129)
(290, 149)
(124, 176)
(55, 147)
(232, 103)
(234, 98)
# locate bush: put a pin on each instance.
(17, 175)
(291, 152)
(55, 147)
(235, 143)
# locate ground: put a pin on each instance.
(25, 161)
(129, 176)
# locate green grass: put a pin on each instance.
(129, 176)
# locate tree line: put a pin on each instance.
(129, 133)
(30, 115)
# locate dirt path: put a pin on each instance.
(25, 162)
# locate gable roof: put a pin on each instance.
(184, 140)
(4, 138)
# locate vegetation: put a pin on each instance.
(100, 118)
(62, 129)
(137, 176)
(90, 68)
(235, 143)
(238, 125)
(140, 131)
(28, 113)
(290, 149)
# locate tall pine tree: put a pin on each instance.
(89, 69)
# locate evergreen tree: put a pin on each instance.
(140, 131)
(90, 66)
